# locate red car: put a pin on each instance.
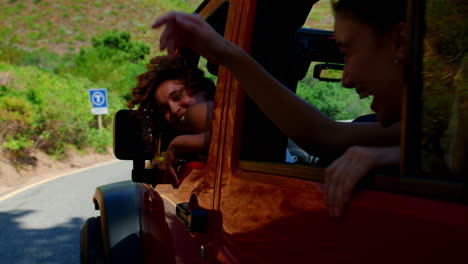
(244, 204)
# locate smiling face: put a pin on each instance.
(173, 99)
(372, 65)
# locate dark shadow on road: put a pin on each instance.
(57, 244)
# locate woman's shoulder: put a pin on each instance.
(198, 117)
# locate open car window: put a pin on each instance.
(442, 151)
(434, 139)
(308, 62)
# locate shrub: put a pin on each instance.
(9, 51)
(113, 62)
(18, 150)
(16, 126)
(100, 140)
(50, 112)
(333, 100)
(41, 58)
(118, 45)
(16, 117)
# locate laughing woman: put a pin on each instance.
(371, 35)
(180, 96)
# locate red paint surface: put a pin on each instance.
(285, 220)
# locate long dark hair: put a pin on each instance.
(382, 15)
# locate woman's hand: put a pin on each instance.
(344, 173)
(170, 161)
(197, 120)
(191, 31)
(196, 143)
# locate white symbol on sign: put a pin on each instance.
(98, 98)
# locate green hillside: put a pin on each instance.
(53, 51)
(63, 26)
(66, 25)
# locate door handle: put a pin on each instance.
(196, 220)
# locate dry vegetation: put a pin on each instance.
(39, 51)
(66, 25)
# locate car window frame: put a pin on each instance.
(408, 179)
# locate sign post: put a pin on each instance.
(98, 98)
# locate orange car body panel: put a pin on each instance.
(257, 217)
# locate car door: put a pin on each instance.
(184, 219)
(274, 212)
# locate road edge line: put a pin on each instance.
(13, 193)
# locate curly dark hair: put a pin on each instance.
(161, 69)
(382, 15)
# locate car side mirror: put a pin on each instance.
(328, 72)
(130, 144)
(129, 138)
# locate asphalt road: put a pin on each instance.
(42, 224)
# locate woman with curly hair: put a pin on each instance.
(371, 36)
(174, 92)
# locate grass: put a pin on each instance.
(44, 58)
(321, 16)
(91, 17)
(96, 17)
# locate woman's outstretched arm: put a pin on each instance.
(300, 121)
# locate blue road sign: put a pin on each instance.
(98, 97)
